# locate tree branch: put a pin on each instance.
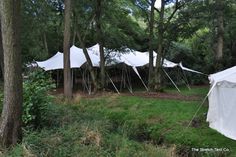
(177, 7)
(156, 9)
(145, 12)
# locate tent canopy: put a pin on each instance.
(131, 58)
(53, 63)
(222, 102)
(77, 59)
(226, 75)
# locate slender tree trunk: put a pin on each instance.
(1, 52)
(45, 43)
(151, 36)
(10, 127)
(74, 36)
(89, 62)
(158, 69)
(219, 33)
(66, 49)
(100, 41)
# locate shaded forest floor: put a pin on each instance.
(126, 125)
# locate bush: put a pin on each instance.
(36, 98)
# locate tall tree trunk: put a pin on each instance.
(1, 52)
(151, 36)
(66, 49)
(158, 69)
(219, 33)
(100, 41)
(74, 36)
(45, 43)
(89, 62)
(10, 127)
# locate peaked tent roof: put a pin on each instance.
(53, 63)
(225, 75)
(222, 102)
(131, 58)
(77, 59)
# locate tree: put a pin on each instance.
(100, 41)
(89, 62)
(1, 52)
(66, 50)
(219, 34)
(78, 23)
(10, 127)
(151, 36)
(163, 26)
(96, 22)
(160, 33)
(45, 18)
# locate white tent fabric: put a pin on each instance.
(77, 59)
(79, 52)
(222, 102)
(190, 70)
(53, 63)
(131, 58)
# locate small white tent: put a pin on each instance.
(222, 102)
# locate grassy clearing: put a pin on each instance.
(74, 131)
(195, 90)
(121, 126)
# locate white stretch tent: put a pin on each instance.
(131, 58)
(138, 59)
(222, 102)
(53, 63)
(77, 59)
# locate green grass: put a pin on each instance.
(114, 125)
(196, 90)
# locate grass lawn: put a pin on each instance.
(123, 125)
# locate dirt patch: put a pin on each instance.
(112, 95)
(154, 120)
(164, 95)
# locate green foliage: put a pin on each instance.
(79, 132)
(144, 127)
(42, 33)
(36, 98)
(125, 32)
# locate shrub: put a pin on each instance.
(36, 98)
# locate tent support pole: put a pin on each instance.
(185, 79)
(57, 79)
(84, 81)
(129, 85)
(136, 71)
(113, 84)
(171, 80)
(72, 78)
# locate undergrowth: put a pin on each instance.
(123, 126)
